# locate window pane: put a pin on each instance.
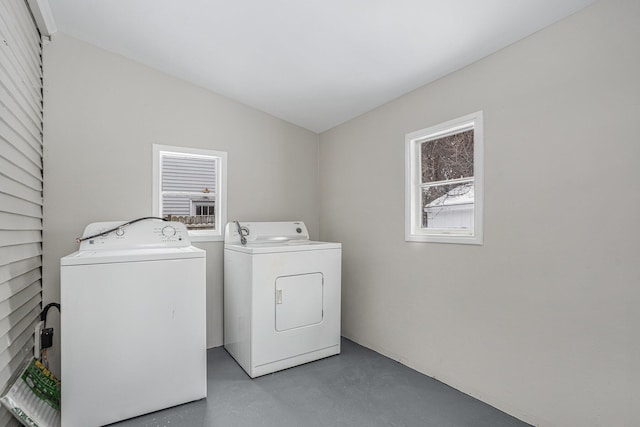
(184, 173)
(176, 205)
(448, 206)
(182, 204)
(196, 214)
(449, 157)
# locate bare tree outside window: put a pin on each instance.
(447, 173)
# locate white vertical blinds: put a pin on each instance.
(20, 186)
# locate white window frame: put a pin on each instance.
(220, 193)
(414, 232)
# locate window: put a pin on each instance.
(444, 182)
(189, 185)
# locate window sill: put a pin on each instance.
(450, 238)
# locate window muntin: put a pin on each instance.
(444, 182)
(190, 187)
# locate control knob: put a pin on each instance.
(168, 231)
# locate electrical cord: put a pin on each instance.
(111, 230)
(45, 311)
(43, 318)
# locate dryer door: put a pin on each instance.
(295, 308)
(298, 301)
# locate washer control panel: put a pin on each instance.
(152, 233)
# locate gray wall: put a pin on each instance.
(103, 112)
(542, 320)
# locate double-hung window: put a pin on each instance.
(189, 186)
(444, 182)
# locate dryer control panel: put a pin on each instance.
(266, 232)
(146, 234)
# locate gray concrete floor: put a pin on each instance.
(357, 388)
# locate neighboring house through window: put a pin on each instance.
(203, 207)
(189, 186)
(444, 182)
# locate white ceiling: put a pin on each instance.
(315, 63)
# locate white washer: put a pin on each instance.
(133, 321)
(281, 296)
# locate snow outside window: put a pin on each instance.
(189, 186)
(444, 182)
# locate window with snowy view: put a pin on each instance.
(444, 178)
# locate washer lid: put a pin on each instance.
(131, 255)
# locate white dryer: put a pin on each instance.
(281, 296)
(133, 322)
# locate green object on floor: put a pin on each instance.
(33, 397)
